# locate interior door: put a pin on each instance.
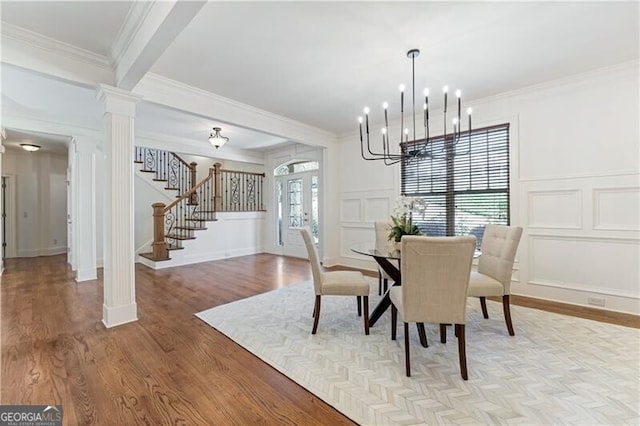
(300, 193)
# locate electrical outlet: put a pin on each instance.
(596, 301)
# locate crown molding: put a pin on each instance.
(127, 32)
(153, 84)
(580, 78)
(39, 41)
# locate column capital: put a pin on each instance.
(117, 101)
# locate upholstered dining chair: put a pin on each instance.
(383, 229)
(495, 266)
(335, 283)
(435, 280)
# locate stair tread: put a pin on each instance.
(203, 220)
(147, 171)
(138, 162)
(179, 237)
(150, 257)
(174, 247)
(191, 228)
(159, 180)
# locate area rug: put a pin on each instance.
(556, 369)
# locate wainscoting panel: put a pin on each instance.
(351, 210)
(376, 209)
(599, 265)
(616, 209)
(560, 209)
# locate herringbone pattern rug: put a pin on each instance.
(556, 370)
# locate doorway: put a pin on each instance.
(297, 192)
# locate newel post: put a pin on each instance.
(159, 245)
(217, 186)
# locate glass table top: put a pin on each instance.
(385, 250)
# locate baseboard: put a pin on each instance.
(51, 251)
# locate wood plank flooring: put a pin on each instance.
(168, 367)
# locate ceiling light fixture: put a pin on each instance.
(412, 149)
(30, 147)
(216, 139)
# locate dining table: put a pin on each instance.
(388, 257)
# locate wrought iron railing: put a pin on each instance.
(167, 167)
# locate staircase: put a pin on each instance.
(196, 203)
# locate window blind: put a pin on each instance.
(464, 183)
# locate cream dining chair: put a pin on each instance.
(335, 283)
(495, 266)
(435, 280)
(383, 229)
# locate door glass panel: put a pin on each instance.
(279, 204)
(294, 192)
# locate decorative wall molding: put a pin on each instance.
(128, 30)
(628, 211)
(555, 209)
(581, 176)
(581, 265)
(164, 91)
(575, 79)
(350, 210)
(37, 40)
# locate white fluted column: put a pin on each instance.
(84, 222)
(119, 275)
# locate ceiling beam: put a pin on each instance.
(150, 27)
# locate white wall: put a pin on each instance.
(232, 234)
(575, 182)
(41, 202)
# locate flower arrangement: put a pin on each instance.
(403, 218)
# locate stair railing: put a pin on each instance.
(167, 167)
(221, 191)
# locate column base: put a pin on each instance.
(118, 315)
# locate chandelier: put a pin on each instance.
(216, 139)
(417, 147)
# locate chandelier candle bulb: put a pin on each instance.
(445, 89)
(386, 119)
(469, 114)
(366, 118)
(360, 121)
(401, 110)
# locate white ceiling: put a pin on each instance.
(48, 143)
(320, 62)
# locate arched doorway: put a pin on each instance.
(297, 204)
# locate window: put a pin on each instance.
(303, 166)
(464, 185)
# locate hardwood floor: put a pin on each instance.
(166, 368)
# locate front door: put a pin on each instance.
(300, 202)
